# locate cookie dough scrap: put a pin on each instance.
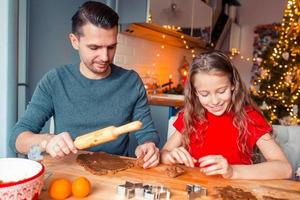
(174, 171)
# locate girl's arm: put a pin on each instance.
(173, 152)
(276, 166)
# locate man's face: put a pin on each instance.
(96, 47)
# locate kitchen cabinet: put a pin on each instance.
(193, 16)
(125, 10)
(182, 13)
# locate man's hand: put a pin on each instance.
(60, 145)
(150, 152)
(215, 164)
(179, 155)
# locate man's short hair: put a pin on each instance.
(95, 13)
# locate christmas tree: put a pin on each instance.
(276, 86)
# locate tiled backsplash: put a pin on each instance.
(149, 58)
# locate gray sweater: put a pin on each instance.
(80, 105)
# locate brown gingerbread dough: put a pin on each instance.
(100, 163)
(174, 171)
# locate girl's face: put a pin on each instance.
(214, 91)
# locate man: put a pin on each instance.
(89, 95)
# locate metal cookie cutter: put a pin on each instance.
(140, 191)
(156, 193)
(164, 193)
(195, 191)
(35, 153)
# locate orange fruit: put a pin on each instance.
(81, 187)
(60, 188)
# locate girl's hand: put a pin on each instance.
(179, 155)
(215, 164)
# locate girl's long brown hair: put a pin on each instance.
(194, 112)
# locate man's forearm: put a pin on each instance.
(27, 138)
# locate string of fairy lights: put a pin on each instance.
(182, 38)
(234, 53)
(290, 68)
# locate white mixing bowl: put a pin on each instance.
(20, 178)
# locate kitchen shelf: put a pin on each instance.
(155, 33)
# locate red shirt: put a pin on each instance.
(221, 137)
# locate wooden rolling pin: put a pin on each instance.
(105, 135)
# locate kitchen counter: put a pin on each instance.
(104, 187)
(166, 100)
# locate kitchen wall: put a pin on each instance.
(251, 14)
(49, 46)
(149, 59)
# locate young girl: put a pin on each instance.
(220, 125)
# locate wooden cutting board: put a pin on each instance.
(104, 187)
